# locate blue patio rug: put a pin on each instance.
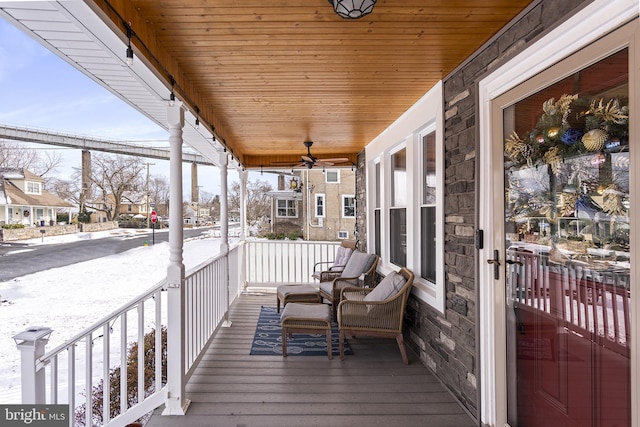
(267, 340)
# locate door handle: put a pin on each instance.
(496, 264)
(510, 261)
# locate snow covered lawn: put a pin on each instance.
(69, 299)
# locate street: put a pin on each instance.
(19, 259)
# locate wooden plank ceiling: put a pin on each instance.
(270, 74)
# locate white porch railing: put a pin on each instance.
(73, 372)
(270, 263)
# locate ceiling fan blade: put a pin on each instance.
(335, 160)
(308, 159)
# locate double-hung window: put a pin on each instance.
(398, 209)
(33, 188)
(348, 206)
(320, 205)
(428, 208)
(377, 213)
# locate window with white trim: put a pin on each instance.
(398, 209)
(398, 189)
(428, 208)
(348, 206)
(33, 188)
(286, 208)
(343, 235)
(332, 176)
(320, 206)
(377, 213)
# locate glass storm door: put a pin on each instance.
(566, 234)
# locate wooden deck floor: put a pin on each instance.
(370, 388)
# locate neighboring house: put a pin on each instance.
(131, 205)
(286, 207)
(23, 199)
(197, 215)
(329, 204)
(135, 204)
(319, 203)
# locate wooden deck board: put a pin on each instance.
(370, 388)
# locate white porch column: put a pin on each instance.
(175, 402)
(242, 174)
(224, 225)
(224, 202)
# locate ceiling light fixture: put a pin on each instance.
(352, 9)
(129, 50)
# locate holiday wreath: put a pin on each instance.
(570, 126)
(573, 125)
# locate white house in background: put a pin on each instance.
(23, 199)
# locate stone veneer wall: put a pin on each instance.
(99, 226)
(361, 201)
(8, 235)
(447, 342)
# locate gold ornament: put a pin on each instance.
(594, 139)
(553, 132)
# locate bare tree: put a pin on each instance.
(66, 189)
(111, 177)
(13, 155)
(159, 194)
(258, 201)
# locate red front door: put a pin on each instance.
(566, 178)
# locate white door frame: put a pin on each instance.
(588, 25)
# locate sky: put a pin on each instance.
(44, 298)
(40, 90)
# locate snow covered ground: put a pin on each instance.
(69, 299)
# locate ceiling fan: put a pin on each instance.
(310, 160)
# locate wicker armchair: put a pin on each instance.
(327, 270)
(360, 265)
(359, 315)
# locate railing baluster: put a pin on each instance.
(141, 352)
(106, 383)
(71, 378)
(158, 342)
(88, 372)
(54, 379)
(123, 362)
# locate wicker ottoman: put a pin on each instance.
(297, 293)
(305, 319)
